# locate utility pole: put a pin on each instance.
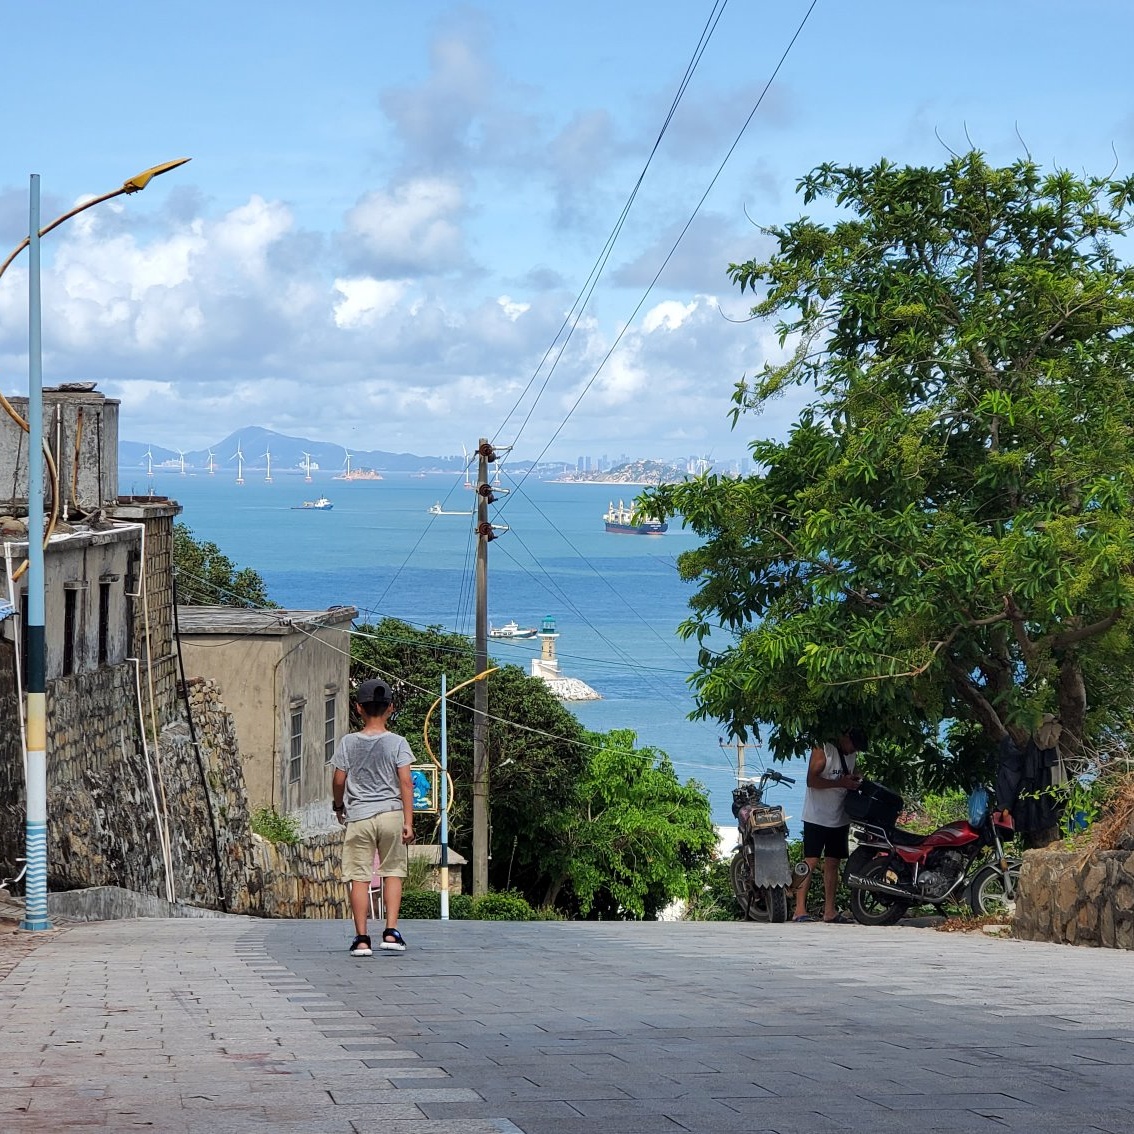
(741, 748)
(485, 535)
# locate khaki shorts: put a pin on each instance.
(381, 833)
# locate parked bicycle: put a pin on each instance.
(761, 872)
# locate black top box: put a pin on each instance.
(875, 804)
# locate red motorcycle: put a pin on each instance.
(891, 870)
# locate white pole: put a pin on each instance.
(444, 802)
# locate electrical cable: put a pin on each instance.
(673, 249)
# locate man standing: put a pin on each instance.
(373, 799)
(826, 828)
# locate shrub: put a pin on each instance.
(714, 900)
(425, 905)
(276, 828)
(507, 906)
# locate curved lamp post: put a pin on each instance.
(35, 904)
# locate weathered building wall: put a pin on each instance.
(244, 669)
(80, 428)
(1077, 898)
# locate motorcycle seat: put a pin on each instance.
(906, 838)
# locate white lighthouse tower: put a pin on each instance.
(547, 664)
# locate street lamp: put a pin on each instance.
(35, 903)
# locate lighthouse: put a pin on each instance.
(547, 664)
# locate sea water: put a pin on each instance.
(617, 600)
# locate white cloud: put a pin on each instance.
(668, 316)
(365, 300)
(411, 229)
(511, 308)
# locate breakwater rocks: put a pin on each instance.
(1077, 898)
(571, 689)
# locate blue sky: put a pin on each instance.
(391, 208)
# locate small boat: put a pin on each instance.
(512, 630)
(320, 505)
(621, 521)
(437, 510)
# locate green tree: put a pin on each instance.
(634, 837)
(207, 577)
(945, 534)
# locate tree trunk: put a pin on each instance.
(553, 891)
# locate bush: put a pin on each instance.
(507, 906)
(276, 828)
(714, 900)
(425, 905)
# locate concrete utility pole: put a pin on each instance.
(741, 748)
(485, 455)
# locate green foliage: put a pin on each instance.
(934, 810)
(947, 533)
(508, 906)
(425, 905)
(633, 838)
(276, 828)
(712, 899)
(207, 577)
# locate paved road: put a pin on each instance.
(558, 1028)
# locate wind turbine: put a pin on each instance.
(346, 466)
(149, 458)
(268, 454)
(239, 464)
(212, 463)
(468, 483)
(307, 467)
(181, 460)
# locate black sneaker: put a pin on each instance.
(392, 941)
(361, 947)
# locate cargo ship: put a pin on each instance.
(621, 521)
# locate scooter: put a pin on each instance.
(892, 870)
(761, 872)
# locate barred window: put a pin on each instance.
(295, 766)
(329, 729)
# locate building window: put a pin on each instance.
(295, 765)
(70, 606)
(103, 622)
(329, 728)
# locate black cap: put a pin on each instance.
(374, 690)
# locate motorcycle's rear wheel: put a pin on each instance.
(757, 903)
(875, 909)
(990, 894)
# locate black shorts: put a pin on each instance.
(834, 842)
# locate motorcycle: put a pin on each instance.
(761, 872)
(892, 870)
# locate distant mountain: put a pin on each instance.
(287, 454)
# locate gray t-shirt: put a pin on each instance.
(371, 762)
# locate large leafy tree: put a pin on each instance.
(945, 534)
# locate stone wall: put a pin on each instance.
(11, 760)
(103, 794)
(303, 879)
(1077, 898)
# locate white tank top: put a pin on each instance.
(824, 806)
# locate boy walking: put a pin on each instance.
(373, 799)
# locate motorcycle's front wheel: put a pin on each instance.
(868, 908)
(993, 892)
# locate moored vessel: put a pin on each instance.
(621, 520)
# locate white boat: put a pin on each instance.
(512, 630)
(437, 510)
(320, 505)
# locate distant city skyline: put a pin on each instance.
(436, 221)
